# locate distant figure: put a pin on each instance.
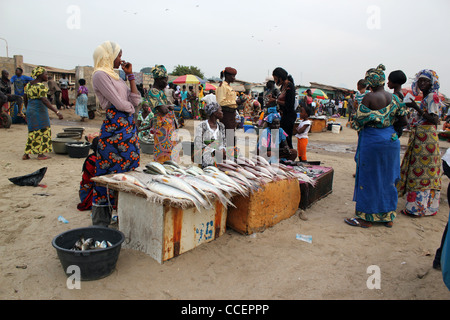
(302, 133)
(7, 96)
(54, 91)
(19, 81)
(81, 108)
(64, 85)
(395, 81)
(226, 98)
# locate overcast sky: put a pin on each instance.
(327, 41)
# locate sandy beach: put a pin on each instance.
(269, 265)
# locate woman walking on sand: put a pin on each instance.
(118, 146)
(378, 153)
(81, 108)
(39, 132)
(421, 166)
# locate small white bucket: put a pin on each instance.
(335, 128)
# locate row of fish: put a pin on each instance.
(201, 187)
(89, 244)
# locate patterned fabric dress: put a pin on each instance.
(377, 162)
(118, 150)
(39, 133)
(421, 166)
(81, 107)
(164, 127)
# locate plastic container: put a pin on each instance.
(336, 128)
(59, 144)
(79, 130)
(78, 149)
(94, 264)
(248, 127)
(147, 147)
(72, 135)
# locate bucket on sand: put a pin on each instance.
(335, 128)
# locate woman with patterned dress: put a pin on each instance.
(37, 106)
(378, 153)
(118, 146)
(421, 165)
(81, 108)
(165, 122)
(144, 122)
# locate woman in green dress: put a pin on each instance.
(39, 133)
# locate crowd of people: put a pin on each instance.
(378, 116)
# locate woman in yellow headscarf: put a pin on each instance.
(118, 146)
(39, 133)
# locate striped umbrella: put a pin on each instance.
(317, 94)
(209, 86)
(188, 78)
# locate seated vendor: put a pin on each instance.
(209, 141)
(272, 142)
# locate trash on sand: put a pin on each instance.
(31, 179)
(62, 219)
(303, 237)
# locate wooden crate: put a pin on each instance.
(322, 188)
(274, 202)
(164, 232)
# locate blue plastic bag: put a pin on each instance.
(445, 260)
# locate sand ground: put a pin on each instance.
(269, 265)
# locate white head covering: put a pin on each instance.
(104, 56)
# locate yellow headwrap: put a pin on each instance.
(104, 56)
(37, 72)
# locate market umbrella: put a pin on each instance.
(317, 94)
(209, 86)
(188, 78)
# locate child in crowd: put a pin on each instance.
(395, 81)
(302, 133)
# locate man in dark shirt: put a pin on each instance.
(6, 95)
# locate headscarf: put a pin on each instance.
(159, 71)
(104, 56)
(375, 76)
(210, 108)
(431, 75)
(37, 72)
(272, 116)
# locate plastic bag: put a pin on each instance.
(31, 179)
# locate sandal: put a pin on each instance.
(406, 213)
(389, 224)
(357, 222)
(26, 157)
(43, 157)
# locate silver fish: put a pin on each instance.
(227, 180)
(207, 187)
(172, 192)
(184, 186)
(156, 166)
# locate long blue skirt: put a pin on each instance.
(377, 172)
(117, 151)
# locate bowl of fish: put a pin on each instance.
(94, 250)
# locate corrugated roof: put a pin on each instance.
(51, 69)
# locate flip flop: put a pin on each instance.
(26, 157)
(389, 224)
(355, 222)
(406, 213)
(43, 158)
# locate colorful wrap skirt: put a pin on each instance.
(39, 134)
(81, 106)
(377, 173)
(117, 151)
(421, 172)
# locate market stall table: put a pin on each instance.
(164, 231)
(323, 186)
(274, 202)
